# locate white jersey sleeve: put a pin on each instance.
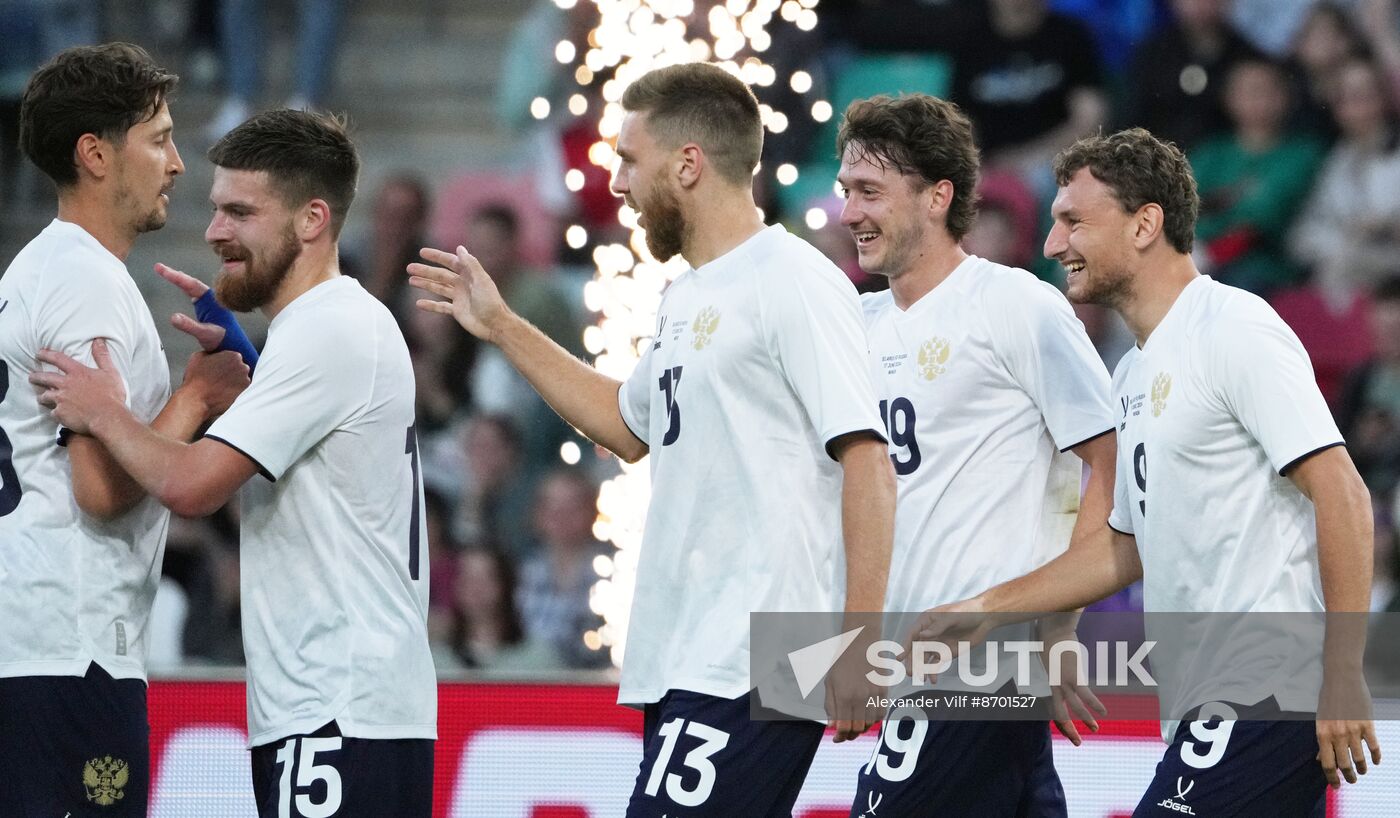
(1047, 352)
(305, 387)
(816, 333)
(1262, 375)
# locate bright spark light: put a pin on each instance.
(816, 218)
(631, 38)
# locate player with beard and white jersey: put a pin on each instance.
(754, 402)
(1234, 493)
(80, 542)
(993, 398)
(334, 583)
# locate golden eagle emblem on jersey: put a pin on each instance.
(933, 354)
(1161, 387)
(104, 778)
(704, 326)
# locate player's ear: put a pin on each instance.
(940, 201)
(1147, 225)
(313, 219)
(690, 161)
(93, 155)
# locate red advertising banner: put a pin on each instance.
(568, 751)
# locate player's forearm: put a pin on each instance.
(1101, 563)
(580, 394)
(149, 457)
(867, 523)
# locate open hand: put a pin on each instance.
(469, 295)
(76, 393)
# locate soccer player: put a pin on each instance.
(755, 404)
(80, 542)
(342, 699)
(986, 381)
(1233, 491)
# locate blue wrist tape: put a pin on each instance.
(208, 310)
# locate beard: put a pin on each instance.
(901, 249)
(666, 225)
(262, 274)
(1106, 290)
(145, 217)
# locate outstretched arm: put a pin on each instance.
(583, 396)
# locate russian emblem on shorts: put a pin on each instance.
(933, 354)
(104, 778)
(705, 325)
(1161, 387)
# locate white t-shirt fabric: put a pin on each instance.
(334, 547)
(1212, 411)
(985, 384)
(73, 589)
(758, 363)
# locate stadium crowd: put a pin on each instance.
(1289, 111)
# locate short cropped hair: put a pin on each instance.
(919, 135)
(704, 104)
(306, 155)
(1140, 169)
(101, 89)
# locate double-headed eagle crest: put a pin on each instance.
(1161, 387)
(704, 326)
(104, 778)
(933, 354)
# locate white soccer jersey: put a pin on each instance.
(758, 363)
(985, 384)
(334, 549)
(1212, 411)
(73, 589)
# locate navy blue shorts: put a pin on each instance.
(1218, 767)
(325, 774)
(705, 756)
(932, 767)
(77, 746)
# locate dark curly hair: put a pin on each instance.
(919, 135)
(101, 89)
(1140, 169)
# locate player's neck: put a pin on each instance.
(1154, 293)
(928, 271)
(100, 220)
(727, 220)
(315, 266)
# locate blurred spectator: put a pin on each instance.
(1119, 26)
(538, 297)
(31, 32)
(442, 564)
(555, 581)
(1386, 557)
(1178, 76)
(1369, 410)
(1349, 232)
(443, 357)
(1252, 181)
(485, 632)
(243, 35)
(1005, 229)
(1325, 42)
(1030, 82)
(398, 229)
(495, 498)
(213, 634)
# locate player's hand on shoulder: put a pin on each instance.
(217, 379)
(76, 393)
(463, 289)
